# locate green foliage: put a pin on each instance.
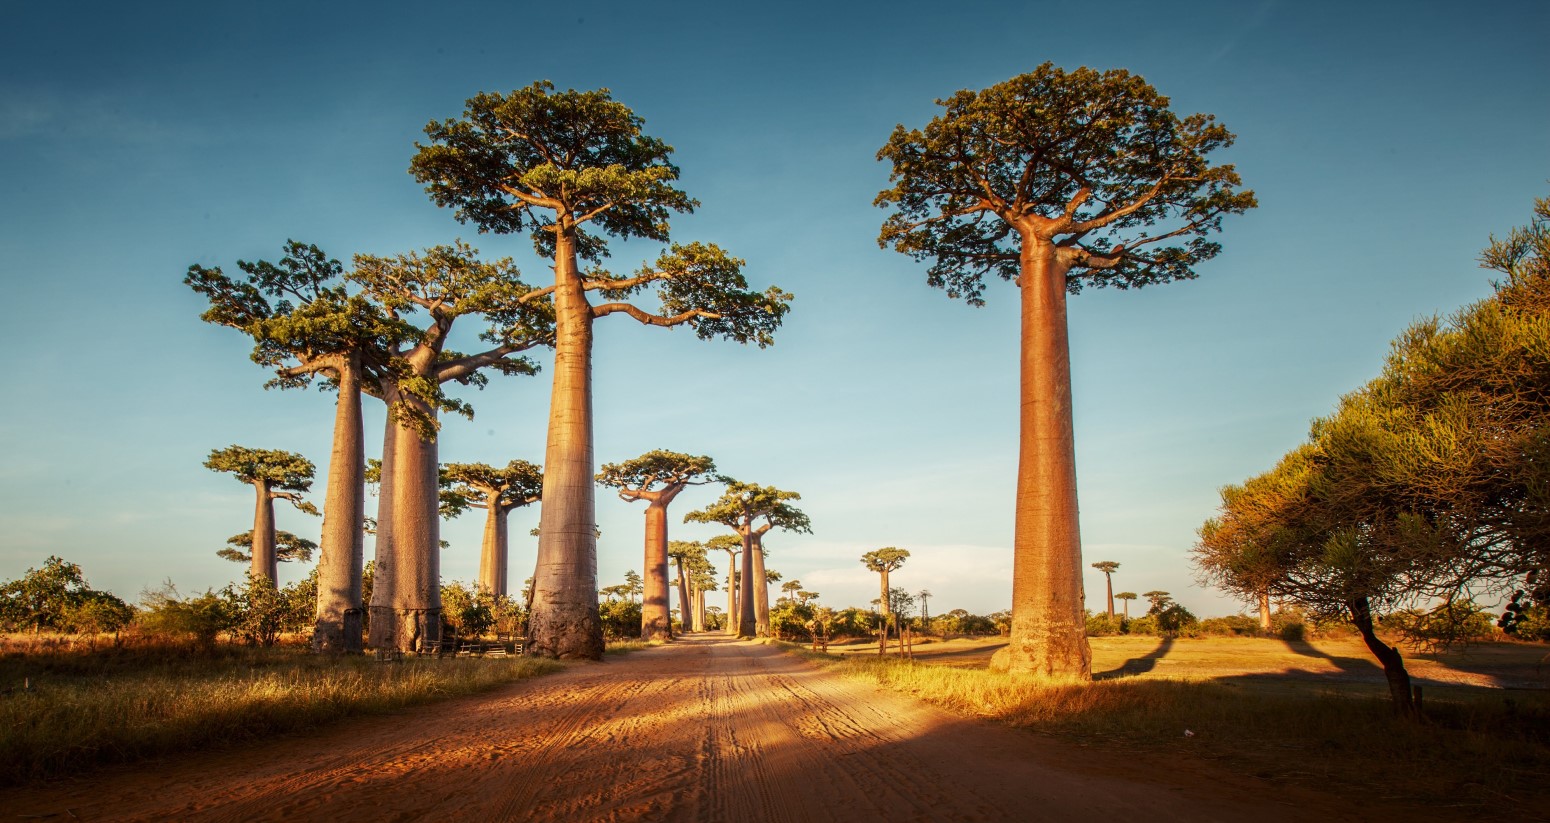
(1428, 484)
(763, 502)
(1104, 625)
(789, 619)
(1444, 625)
(959, 621)
(283, 470)
(1234, 625)
(621, 619)
(57, 598)
(288, 547)
(471, 485)
(657, 469)
(886, 559)
(199, 619)
(264, 612)
(467, 611)
(1083, 159)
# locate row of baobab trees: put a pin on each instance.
(1051, 180)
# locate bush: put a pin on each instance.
(1145, 625)
(621, 619)
(1104, 624)
(1235, 625)
(198, 620)
(56, 598)
(791, 620)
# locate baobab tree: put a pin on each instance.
(883, 561)
(683, 553)
(925, 609)
(1055, 180)
(274, 475)
(1108, 567)
(733, 545)
(499, 492)
(572, 168)
(1127, 597)
(434, 289)
(305, 323)
(287, 547)
(741, 507)
(657, 477)
(791, 587)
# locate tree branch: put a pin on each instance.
(650, 319)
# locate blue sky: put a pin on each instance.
(1386, 143)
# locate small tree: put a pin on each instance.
(656, 477)
(274, 475)
(287, 547)
(1126, 597)
(1053, 180)
(885, 561)
(56, 597)
(733, 545)
(741, 507)
(1108, 567)
(499, 492)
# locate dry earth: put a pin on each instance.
(705, 729)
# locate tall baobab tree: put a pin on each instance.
(1055, 180)
(274, 475)
(742, 507)
(1126, 597)
(883, 561)
(703, 580)
(434, 289)
(682, 552)
(791, 587)
(657, 477)
(1108, 567)
(572, 168)
(499, 492)
(925, 609)
(733, 545)
(305, 323)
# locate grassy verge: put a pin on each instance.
(1476, 753)
(60, 712)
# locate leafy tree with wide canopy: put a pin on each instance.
(1126, 597)
(433, 290)
(1054, 180)
(499, 492)
(274, 475)
(657, 477)
(57, 597)
(741, 507)
(305, 323)
(572, 168)
(1425, 488)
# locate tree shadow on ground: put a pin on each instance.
(1138, 665)
(1347, 665)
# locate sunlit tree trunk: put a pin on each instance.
(565, 621)
(416, 586)
(1048, 636)
(655, 618)
(1108, 585)
(747, 614)
(683, 600)
(265, 564)
(732, 611)
(1264, 612)
(384, 563)
(338, 626)
(493, 550)
(761, 587)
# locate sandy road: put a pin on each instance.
(701, 730)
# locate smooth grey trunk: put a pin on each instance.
(265, 565)
(684, 618)
(748, 618)
(1048, 636)
(416, 585)
(565, 622)
(761, 587)
(495, 548)
(732, 612)
(337, 629)
(384, 563)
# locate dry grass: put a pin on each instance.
(63, 709)
(1479, 749)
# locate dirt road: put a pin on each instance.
(701, 730)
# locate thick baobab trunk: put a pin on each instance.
(1048, 635)
(565, 622)
(381, 625)
(732, 611)
(883, 605)
(683, 601)
(1108, 585)
(761, 588)
(416, 585)
(1393, 664)
(699, 610)
(492, 552)
(1264, 612)
(747, 614)
(656, 621)
(338, 626)
(265, 565)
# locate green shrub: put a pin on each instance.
(1235, 625)
(57, 598)
(198, 620)
(1104, 624)
(621, 619)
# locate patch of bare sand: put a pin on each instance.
(705, 729)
